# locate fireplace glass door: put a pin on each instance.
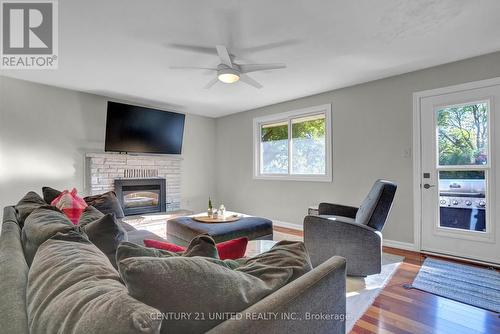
(141, 197)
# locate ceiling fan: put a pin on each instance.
(230, 72)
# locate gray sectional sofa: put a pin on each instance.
(298, 307)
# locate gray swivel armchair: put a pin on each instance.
(350, 232)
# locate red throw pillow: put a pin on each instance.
(71, 204)
(231, 249)
(163, 245)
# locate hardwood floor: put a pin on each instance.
(400, 310)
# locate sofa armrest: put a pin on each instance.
(13, 278)
(337, 210)
(360, 244)
(10, 215)
(295, 308)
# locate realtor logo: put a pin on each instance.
(29, 34)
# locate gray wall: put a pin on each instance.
(45, 132)
(372, 131)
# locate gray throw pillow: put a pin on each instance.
(27, 204)
(105, 232)
(202, 245)
(43, 223)
(89, 215)
(203, 286)
(106, 203)
(72, 288)
(129, 249)
(50, 194)
(291, 256)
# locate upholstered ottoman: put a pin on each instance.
(182, 229)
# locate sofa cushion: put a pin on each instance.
(72, 288)
(50, 194)
(192, 285)
(27, 204)
(106, 203)
(106, 233)
(198, 285)
(40, 226)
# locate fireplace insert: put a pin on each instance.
(140, 196)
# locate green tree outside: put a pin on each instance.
(463, 135)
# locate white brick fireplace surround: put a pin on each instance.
(104, 168)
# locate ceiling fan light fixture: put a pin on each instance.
(228, 76)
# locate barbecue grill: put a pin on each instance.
(463, 203)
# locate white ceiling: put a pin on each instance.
(122, 48)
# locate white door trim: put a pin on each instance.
(417, 147)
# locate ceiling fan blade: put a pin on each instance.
(193, 48)
(246, 68)
(191, 68)
(211, 83)
(249, 81)
(224, 55)
(270, 46)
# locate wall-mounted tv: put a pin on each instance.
(143, 130)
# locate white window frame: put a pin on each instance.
(325, 109)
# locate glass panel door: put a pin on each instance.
(459, 168)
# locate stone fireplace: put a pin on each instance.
(145, 183)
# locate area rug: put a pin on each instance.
(361, 292)
(475, 286)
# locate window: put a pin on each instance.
(295, 145)
(463, 134)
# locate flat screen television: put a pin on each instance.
(143, 130)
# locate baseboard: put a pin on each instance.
(288, 225)
(399, 244)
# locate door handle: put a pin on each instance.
(427, 186)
